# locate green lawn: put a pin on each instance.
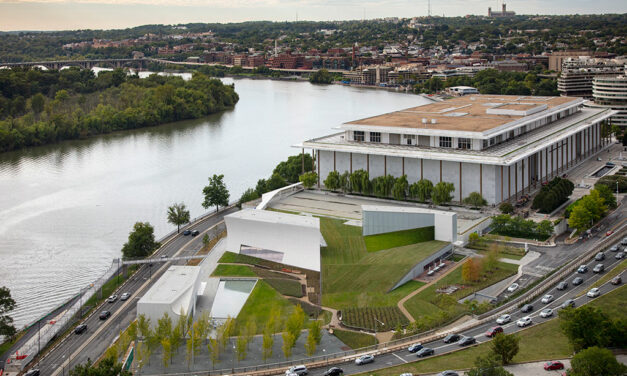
(286, 286)
(398, 238)
(233, 271)
(352, 276)
(426, 303)
(540, 342)
(354, 340)
(260, 304)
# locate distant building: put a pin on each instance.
(462, 90)
(577, 75)
(611, 92)
(503, 13)
(557, 58)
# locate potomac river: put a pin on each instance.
(66, 209)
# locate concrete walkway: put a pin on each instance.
(401, 303)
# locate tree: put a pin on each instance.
(268, 341)
(310, 345)
(471, 270)
(586, 326)
(37, 102)
(580, 219)
(106, 367)
(609, 199)
(7, 304)
(595, 361)
(295, 322)
(164, 327)
(345, 184)
(249, 195)
(276, 181)
(505, 347)
(292, 168)
(241, 348)
(506, 208)
(321, 76)
(421, 190)
(491, 259)
(332, 182)
(288, 343)
(309, 179)
(166, 356)
(357, 179)
(178, 215)
(141, 241)
(488, 365)
(399, 189)
(442, 193)
(475, 200)
(473, 238)
(215, 193)
(314, 336)
(545, 228)
(214, 351)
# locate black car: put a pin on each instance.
(334, 371)
(451, 338)
(448, 373)
(526, 308)
(616, 280)
(467, 341)
(582, 269)
(195, 232)
(104, 315)
(186, 232)
(599, 256)
(577, 281)
(568, 303)
(32, 372)
(562, 285)
(80, 329)
(415, 347)
(425, 351)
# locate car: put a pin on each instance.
(104, 315)
(619, 255)
(547, 312)
(525, 321)
(364, 359)
(553, 365)
(467, 341)
(164, 256)
(425, 351)
(614, 248)
(582, 269)
(562, 285)
(452, 338)
(594, 292)
(187, 232)
(415, 347)
(334, 371)
(526, 308)
(32, 372)
(577, 281)
(406, 374)
(493, 331)
(513, 287)
(616, 280)
(546, 299)
(598, 268)
(80, 329)
(624, 241)
(195, 232)
(448, 373)
(125, 296)
(112, 299)
(599, 256)
(609, 233)
(504, 319)
(299, 370)
(568, 303)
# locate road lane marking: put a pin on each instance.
(402, 360)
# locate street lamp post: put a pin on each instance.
(375, 326)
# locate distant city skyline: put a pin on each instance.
(115, 14)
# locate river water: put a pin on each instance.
(66, 209)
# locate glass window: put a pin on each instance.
(445, 142)
(464, 143)
(375, 136)
(359, 135)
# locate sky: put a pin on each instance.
(115, 14)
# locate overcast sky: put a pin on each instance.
(113, 14)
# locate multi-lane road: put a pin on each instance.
(577, 293)
(75, 349)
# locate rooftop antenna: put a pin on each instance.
(429, 8)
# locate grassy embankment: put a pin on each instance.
(395, 239)
(263, 300)
(355, 340)
(540, 342)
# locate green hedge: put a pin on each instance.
(366, 317)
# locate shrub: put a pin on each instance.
(506, 208)
(475, 200)
(506, 225)
(308, 179)
(332, 181)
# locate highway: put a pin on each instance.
(75, 349)
(403, 356)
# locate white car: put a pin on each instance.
(125, 296)
(513, 287)
(593, 293)
(547, 312)
(548, 298)
(504, 319)
(525, 321)
(364, 359)
(299, 370)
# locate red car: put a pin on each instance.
(609, 233)
(493, 331)
(553, 365)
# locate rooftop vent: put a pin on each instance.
(434, 121)
(424, 120)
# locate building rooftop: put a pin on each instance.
(406, 209)
(175, 287)
(277, 217)
(471, 113)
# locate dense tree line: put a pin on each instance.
(42, 107)
(552, 195)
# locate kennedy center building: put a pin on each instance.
(498, 145)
